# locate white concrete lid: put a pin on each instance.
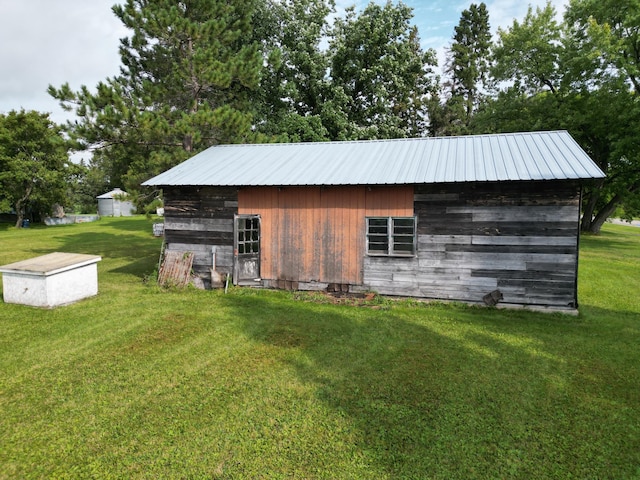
(50, 264)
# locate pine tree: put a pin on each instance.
(466, 71)
(185, 82)
(470, 56)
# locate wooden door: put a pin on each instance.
(246, 265)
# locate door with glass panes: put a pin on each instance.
(246, 266)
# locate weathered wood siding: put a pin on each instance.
(197, 219)
(316, 236)
(519, 237)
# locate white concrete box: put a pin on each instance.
(50, 280)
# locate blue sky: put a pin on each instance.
(52, 42)
(436, 19)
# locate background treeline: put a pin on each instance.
(198, 73)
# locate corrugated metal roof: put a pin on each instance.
(112, 193)
(480, 158)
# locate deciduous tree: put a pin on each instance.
(292, 98)
(569, 76)
(377, 63)
(34, 164)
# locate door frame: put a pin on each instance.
(242, 243)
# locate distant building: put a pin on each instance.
(113, 204)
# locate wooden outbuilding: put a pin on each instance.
(490, 218)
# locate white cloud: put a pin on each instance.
(502, 13)
(52, 42)
(47, 42)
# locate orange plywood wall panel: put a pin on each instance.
(317, 234)
(389, 201)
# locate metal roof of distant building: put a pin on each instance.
(479, 158)
(113, 193)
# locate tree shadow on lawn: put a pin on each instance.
(454, 391)
(621, 239)
(122, 253)
(131, 224)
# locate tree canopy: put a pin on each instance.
(185, 83)
(34, 164)
(196, 73)
(377, 62)
(361, 76)
(569, 76)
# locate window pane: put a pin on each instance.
(378, 239)
(377, 221)
(403, 248)
(403, 239)
(403, 230)
(406, 222)
(378, 247)
(378, 230)
(377, 226)
(403, 226)
(391, 235)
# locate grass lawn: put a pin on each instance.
(138, 382)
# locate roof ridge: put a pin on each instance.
(385, 140)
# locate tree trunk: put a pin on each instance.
(20, 206)
(594, 224)
(601, 217)
(19, 221)
(588, 209)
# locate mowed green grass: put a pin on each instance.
(140, 382)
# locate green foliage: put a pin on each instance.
(34, 165)
(467, 71)
(141, 382)
(528, 53)
(377, 62)
(608, 32)
(203, 72)
(294, 86)
(372, 81)
(560, 76)
(184, 85)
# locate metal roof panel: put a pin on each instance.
(482, 158)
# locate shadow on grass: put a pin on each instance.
(459, 393)
(614, 237)
(111, 245)
(125, 241)
(130, 224)
(372, 371)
